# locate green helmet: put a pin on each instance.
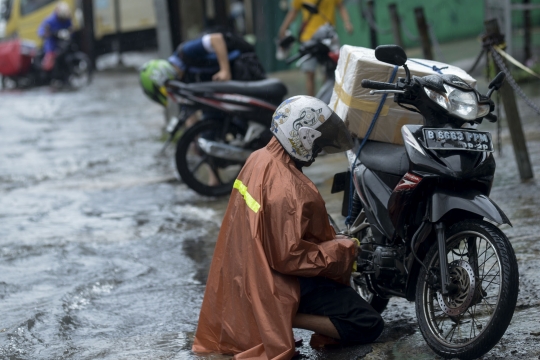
(153, 75)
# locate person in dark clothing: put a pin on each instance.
(212, 57)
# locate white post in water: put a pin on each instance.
(163, 29)
(165, 46)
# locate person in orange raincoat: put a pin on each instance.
(278, 263)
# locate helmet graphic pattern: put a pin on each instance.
(153, 75)
(294, 114)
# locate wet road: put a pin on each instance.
(104, 254)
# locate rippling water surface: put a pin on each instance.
(104, 254)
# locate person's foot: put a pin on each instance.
(319, 341)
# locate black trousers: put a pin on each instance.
(355, 320)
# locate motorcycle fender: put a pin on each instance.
(443, 201)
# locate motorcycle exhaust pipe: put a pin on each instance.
(223, 151)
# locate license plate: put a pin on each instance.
(446, 139)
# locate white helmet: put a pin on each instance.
(303, 123)
(62, 10)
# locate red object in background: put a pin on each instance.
(334, 56)
(13, 61)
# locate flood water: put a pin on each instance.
(104, 253)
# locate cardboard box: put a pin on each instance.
(357, 107)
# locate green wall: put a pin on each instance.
(450, 19)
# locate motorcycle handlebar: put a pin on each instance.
(377, 85)
(294, 58)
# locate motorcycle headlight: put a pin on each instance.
(463, 104)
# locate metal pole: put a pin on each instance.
(396, 24)
(165, 45)
(372, 30)
(221, 14)
(424, 32)
(117, 23)
(163, 29)
(508, 25)
(527, 30)
(88, 37)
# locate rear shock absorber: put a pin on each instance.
(356, 206)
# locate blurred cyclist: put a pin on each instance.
(59, 20)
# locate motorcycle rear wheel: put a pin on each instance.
(207, 175)
(360, 282)
(470, 322)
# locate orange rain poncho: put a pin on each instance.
(275, 228)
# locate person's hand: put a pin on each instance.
(357, 247)
(222, 75)
(349, 28)
(356, 253)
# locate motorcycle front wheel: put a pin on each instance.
(206, 174)
(9, 83)
(471, 319)
(80, 71)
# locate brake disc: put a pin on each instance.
(461, 274)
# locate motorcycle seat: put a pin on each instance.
(385, 157)
(270, 90)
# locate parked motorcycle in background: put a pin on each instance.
(210, 154)
(424, 217)
(323, 46)
(21, 64)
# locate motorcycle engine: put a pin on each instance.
(382, 260)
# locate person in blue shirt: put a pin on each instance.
(209, 58)
(59, 20)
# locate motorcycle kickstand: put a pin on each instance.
(172, 134)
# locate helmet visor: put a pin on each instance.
(335, 136)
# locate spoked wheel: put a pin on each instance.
(80, 71)
(359, 283)
(207, 174)
(469, 321)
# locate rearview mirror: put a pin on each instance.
(391, 54)
(311, 8)
(497, 82)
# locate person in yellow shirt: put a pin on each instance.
(310, 24)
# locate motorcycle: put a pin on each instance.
(424, 218)
(323, 46)
(72, 68)
(237, 116)
(210, 154)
